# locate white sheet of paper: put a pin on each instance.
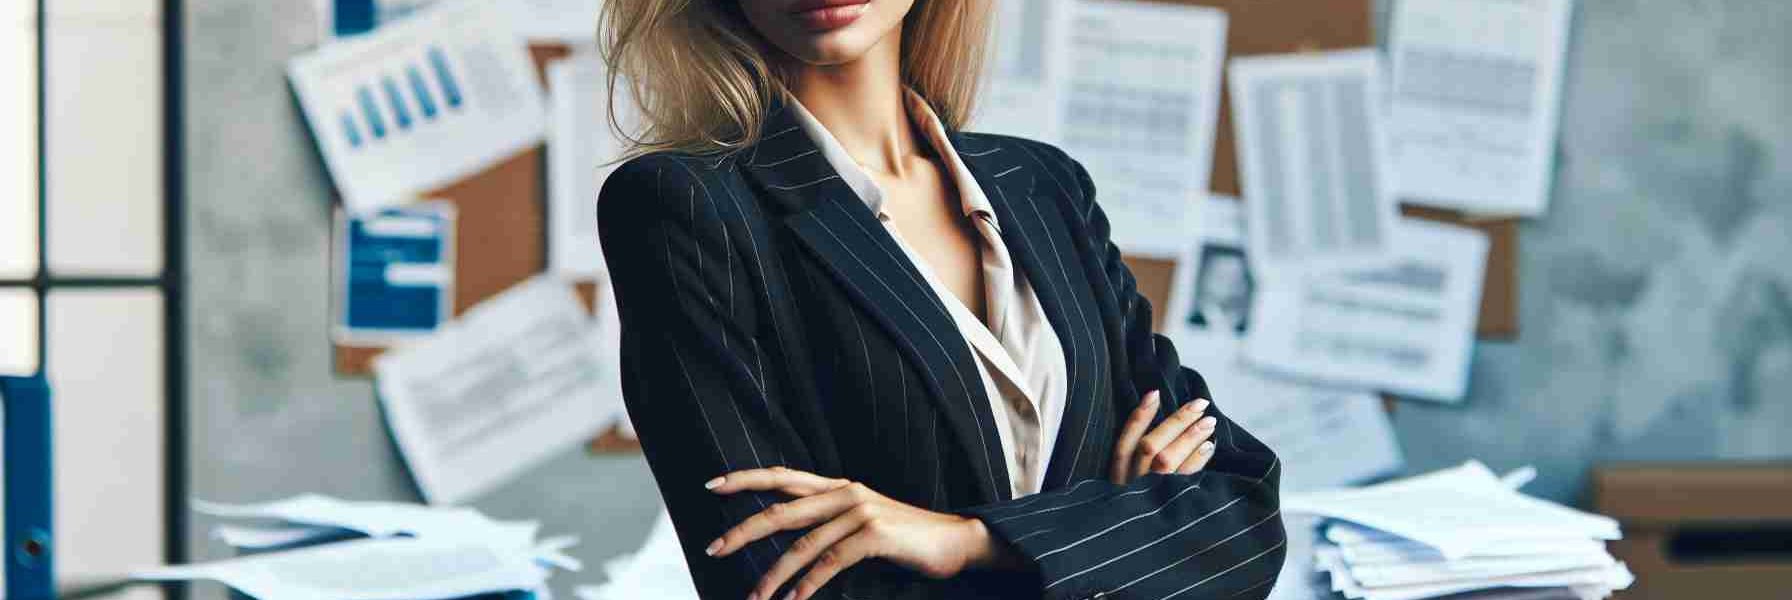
(381, 519)
(371, 569)
(1405, 324)
(1476, 568)
(562, 21)
(261, 538)
(1139, 110)
(582, 150)
(1326, 437)
(1456, 511)
(513, 381)
(1026, 69)
(1475, 96)
(420, 103)
(1594, 582)
(657, 570)
(1310, 151)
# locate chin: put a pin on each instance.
(826, 41)
(837, 47)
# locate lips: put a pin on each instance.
(825, 15)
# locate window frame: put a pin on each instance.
(168, 282)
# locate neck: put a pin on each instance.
(862, 104)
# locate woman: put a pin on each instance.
(871, 356)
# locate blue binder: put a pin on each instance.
(28, 549)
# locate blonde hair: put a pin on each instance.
(702, 79)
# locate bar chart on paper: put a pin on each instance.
(420, 103)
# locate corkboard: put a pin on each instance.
(500, 213)
(1278, 27)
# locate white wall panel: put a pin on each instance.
(18, 139)
(105, 362)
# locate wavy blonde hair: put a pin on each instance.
(702, 78)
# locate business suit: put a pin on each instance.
(769, 319)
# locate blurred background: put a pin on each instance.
(166, 260)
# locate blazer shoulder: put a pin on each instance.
(1057, 164)
(668, 184)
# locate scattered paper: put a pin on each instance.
(657, 570)
(394, 273)
(420, 103)
(1476, 92)
(513, 381)
(1139, 112)
(1455, 511)
(1404, 324)
(264, 538)
(1325, 437)
(381, 519)
(1027, 69)
(370, 569)
(1310, 148)
(582, 151)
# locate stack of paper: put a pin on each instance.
(392, 551)
(657, 570)
(1454, 531)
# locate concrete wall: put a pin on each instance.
(1654, 293)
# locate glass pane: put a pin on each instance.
(18, 140)
(103, 155)
(105, 363)
(18, 331)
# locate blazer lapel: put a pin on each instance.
(1036, 236)
(844, 235)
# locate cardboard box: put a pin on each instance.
(1701, 530)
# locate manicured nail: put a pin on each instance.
(753, 596)
(790, 595)
(714, 547)
(1151, 398)
(1202, 404)
(1206, 448)
(1207, 423)
(712, 484)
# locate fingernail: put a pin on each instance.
(712, 484)
(1151, 398)
(753, 596)
(1207, 423)
(714, 547)
(790, 595)
(1202, 404)
(1206, 448)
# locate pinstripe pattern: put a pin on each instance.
(768, 319)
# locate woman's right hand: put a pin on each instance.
(1180, 444)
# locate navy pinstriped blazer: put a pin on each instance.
(769, 319)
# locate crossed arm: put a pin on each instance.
(1188, 509)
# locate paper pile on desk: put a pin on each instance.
(657, 570)
(372, 551)
(1454, 531)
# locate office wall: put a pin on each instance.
(1654, 319)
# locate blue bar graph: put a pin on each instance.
(350, 131)
(445, 76)
(400, 112)
(425, 101)
(372, 111)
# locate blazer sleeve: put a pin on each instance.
(701, 383)
(1214, 534)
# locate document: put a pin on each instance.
(513, 381)
(1477, 88)
(264, 538)
(1310, 153)
(394, 273)
(1454, 511)
(582, 151)
(1325, 436)
(420, 103)
(656, 571)
(571, 22)
(317, 512)
(1027, 69)
(1405, 324)
(1139, 113)
(370, 569)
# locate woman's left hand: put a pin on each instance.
(852, 523)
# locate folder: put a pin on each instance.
(25, 402)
